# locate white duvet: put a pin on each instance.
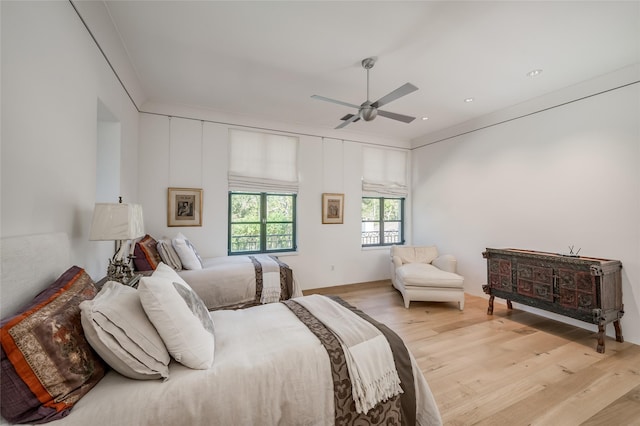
(268, 369)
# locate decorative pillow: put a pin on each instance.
(186, 339)
(196, 305)
(187, 253)
(146, 254)
(168, 254)
(117, 327)
(194, 302)
(47, 365)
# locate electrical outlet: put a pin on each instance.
(333, 268)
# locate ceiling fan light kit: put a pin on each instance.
(370, 110)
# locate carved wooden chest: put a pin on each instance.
(584, 288)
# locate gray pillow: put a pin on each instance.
(196, 305)
(118, 329)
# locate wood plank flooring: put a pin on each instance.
(511, 368)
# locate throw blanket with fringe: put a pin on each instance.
(274, 279)
(370, 362)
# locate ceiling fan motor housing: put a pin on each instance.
(368, 113)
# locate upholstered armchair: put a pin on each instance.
(421, 274)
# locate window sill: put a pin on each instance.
(371, 248)
(274, 253)
(284, 253)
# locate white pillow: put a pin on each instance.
(187, 252)
(195, 303)
(118, 329)
(185, 337)
(168, 254)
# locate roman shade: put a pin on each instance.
(384, 172)
(262, 162)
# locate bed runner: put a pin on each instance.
(275, 294)
(399, 409)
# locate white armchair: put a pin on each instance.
(420, 274)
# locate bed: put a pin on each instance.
(274, 363)
(230, 282)
(224, 282)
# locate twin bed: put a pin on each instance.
(229, 282)
(287, 363)
(223, 282)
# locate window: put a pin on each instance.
(384, 189)
(261, 222)
(382, 221)
(263, 182)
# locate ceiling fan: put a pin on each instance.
(369, 110)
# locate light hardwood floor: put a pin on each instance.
(511, 368)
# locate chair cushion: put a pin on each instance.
(426, 275)
(411, 254)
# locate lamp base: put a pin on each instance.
(119, 270)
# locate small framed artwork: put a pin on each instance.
(184, 207)
(332, 208)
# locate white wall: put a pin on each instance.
(180, 152)
(52, 78)
(568, 175)
(565, 176)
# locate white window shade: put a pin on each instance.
(384, 172)
(262, 162)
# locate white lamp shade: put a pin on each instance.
(116, 222)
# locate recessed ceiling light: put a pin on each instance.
(425, 118)
(534, 73)
(468, 100)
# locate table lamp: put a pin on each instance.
(117, 222)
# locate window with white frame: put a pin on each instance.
(263, 184)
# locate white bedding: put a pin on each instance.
(231, 280)
(269, 369)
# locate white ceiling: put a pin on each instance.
(265, 59)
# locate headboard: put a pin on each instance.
(29, 264)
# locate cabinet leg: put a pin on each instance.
(490, 308)
(616, 325)
(600, 348)
(509, 305)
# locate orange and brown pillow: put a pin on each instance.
(47, 365)
(146, 254)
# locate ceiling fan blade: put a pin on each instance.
(322, 98)
(395, 116)
(353, 118)
(348, 117)
(405, 89)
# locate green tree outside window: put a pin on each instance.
(261, 222)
